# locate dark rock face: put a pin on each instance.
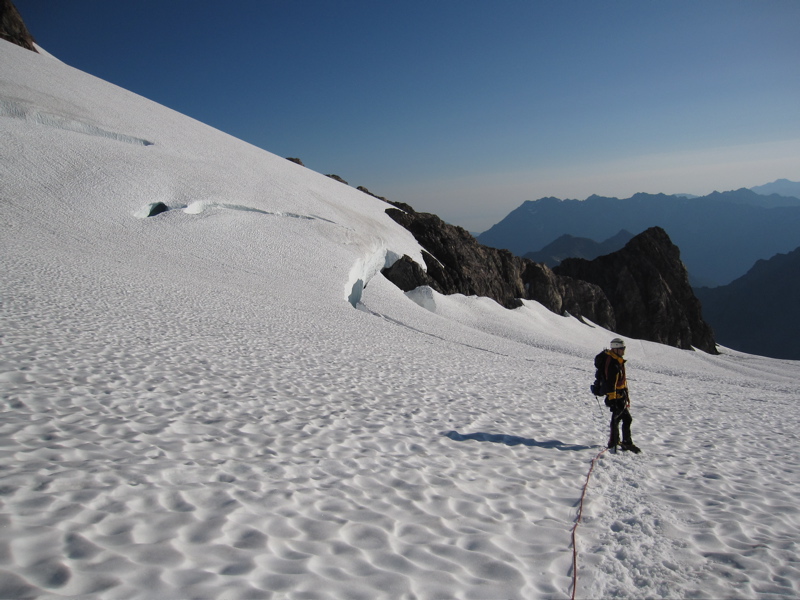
(648, 287)
(408, 275)
(567, 295)
(295, 160)
(12, 27)
(457, 264)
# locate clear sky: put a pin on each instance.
(467, 108)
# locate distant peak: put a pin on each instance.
(544, 199)
(595, 197)
(648, 196)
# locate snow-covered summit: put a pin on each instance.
(227, 400)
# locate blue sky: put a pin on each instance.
(467, 108)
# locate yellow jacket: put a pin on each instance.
(615, 373)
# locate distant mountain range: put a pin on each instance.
(758, 313)
(569, 246)
(720, 235)
(782, 187)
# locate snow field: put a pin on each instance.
(164, 475)
(191, 406)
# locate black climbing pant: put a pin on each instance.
(620, 414)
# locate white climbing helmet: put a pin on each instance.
(617, 343)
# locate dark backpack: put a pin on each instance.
(600, 387)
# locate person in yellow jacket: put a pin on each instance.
(617, 398)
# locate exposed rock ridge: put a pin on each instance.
(641, 291)
(12, 27)
(648, 286)
(457, 264)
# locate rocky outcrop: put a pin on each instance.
(648, 288)
(641, 291)
(361, 188)
(457, 264)
(335, 177)
(12, 27)
(567, 295)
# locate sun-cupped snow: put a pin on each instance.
(190, 405)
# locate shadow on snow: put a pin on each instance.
(513, 440)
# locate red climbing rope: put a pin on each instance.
(575, 527)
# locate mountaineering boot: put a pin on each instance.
(630, 446)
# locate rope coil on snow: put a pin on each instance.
(577, 521)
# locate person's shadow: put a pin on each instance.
(513, 440)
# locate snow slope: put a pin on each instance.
(210, 403)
